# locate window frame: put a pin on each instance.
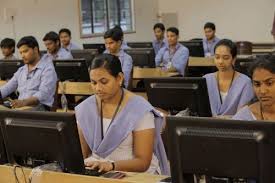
(101, 34)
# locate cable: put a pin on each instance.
(15, 173)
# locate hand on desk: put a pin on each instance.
(101, 166)
(17, 103)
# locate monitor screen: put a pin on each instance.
(38, 138)
(221, 148)
(98, 46)
(195, 48)
(178, 93)
(72, 70)
(9, 67)
(142, 57)
(140, 44)
(87, 54)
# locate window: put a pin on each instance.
(98, 16)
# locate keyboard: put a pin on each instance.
(90, 172)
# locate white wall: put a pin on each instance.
(234, 19)
(37, 17)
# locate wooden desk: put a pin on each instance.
(76, 88)
(201, 62)
(7, 176)
(142, 73)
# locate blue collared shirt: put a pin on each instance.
(178, 60)
(62, 54)
(126, 64)
(71, 46)
(208, 47)
(157, 45)
(40, 82)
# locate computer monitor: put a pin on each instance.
(87, 54)
(37, 138)
(9, 67)
(195, 48)
(73, 70)
(98, 46)
(142, 57)
(140, 44)
(243, 64)
(221, 148)
(178, 93)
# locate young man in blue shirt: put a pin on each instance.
(35, 81)
(53, 45)
(210, 40)
(66, 40)
(113, 43)
(174, 56)
(160, 41)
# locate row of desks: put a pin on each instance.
(7, 175)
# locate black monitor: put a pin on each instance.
(178, 93)
(37, 138)
(72, 70)
(142, 57)
(87, 54)
(140, 44)
(195, 48)
(221, 148)
(243, 64)
(98, 46)
(9, 67)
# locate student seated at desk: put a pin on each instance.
(119, 130)
(210, 40)
(113, 41)
(160, 41)
(174, 56)
(263, 76)
(35, 81)
(8, 48)
(65, 39)
(52, 43)
(228, 89)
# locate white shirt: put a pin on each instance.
(223, 95)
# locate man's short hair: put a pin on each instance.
(30, 41)
(65, 30)
(210, 25)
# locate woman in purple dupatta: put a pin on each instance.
(263, 76)
(119, 130)
(228, 89)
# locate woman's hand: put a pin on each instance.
(100, 166)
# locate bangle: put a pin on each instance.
(113, 164)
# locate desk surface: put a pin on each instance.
(142, 73)
(7, 176)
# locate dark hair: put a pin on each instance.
(65, 30)
(114, 34)
(8, 43)
(174, 30)
(210, 25)
(266, 62)
(30, 41)
(52, 36)
(228, 43)
(160, 26)
(110, 62)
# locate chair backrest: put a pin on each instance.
(244, 48)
